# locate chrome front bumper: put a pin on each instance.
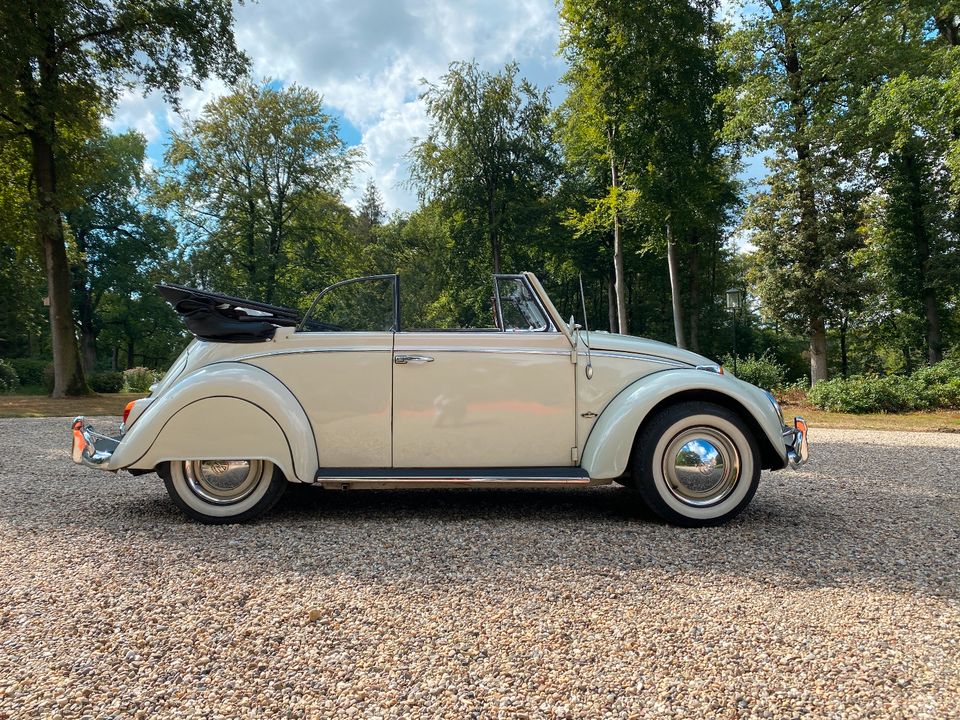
(795, 439)
(91, 448)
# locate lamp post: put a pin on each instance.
(734, 298)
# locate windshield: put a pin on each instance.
(517, 306)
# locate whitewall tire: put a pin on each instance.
(696, 464)
(223, 491)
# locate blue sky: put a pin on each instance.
(367, 58)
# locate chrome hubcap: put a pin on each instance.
(701, 466)
(222, 482)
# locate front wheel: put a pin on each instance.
(217, 492)
(696, 464)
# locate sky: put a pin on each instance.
(367, 59)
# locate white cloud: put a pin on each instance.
(367, 58)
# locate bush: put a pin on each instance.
(139, 379)
(763, 371)
(936, 386)
(29, 370)
(106, 382)
(8, 377)
(860, 394)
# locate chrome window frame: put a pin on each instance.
(369, 278)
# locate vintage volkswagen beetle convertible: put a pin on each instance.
(345, 397)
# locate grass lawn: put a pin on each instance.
(932, 421)
(43, 406)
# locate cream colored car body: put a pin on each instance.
(343, 409)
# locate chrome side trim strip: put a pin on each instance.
(306, 351)
(510, 351)
(454, 479)
(637, 356)
(376, 483)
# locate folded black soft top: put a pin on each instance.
(222, 318)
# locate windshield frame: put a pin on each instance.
(534, 296)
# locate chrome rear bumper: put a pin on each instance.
(91, 448)
(795, 439)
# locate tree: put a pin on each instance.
(371, 213)
(21, 263)
(915, 133)
(117, 241)
(488, 157)
(804, 66)
(61, 63)
(596, 44)
(641, 114)
(239, 176)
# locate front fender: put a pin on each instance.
(225, 410)
(606, 453)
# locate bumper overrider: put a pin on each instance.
(91, 448)
(795, 439)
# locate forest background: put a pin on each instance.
(846, 246)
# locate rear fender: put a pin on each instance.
(226, 410)
(606, 453)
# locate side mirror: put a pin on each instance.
(573, 325)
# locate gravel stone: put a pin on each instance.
(836, 595)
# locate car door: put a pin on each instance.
(338, 364)
(503, 397)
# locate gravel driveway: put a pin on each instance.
(836, 594)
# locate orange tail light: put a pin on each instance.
(126, 411)
(79, 444)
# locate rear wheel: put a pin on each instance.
(696, 464)
(223, 491)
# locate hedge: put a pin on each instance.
(934, 387)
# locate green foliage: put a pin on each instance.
(639, 128)
(255, 212)
(107, 382)
(761, 370)
(49, 377)
(860, 394)
(488, 160)
(29, 371)
(8, 377)
(936, 386)
(62, 67)
(138, 379)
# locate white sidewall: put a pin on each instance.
(183, 490)
(747, 467)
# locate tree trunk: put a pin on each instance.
(931, 309)
(818, 351)
(675, 289)
(130, 354)
(921, 237)
(618, 273)
(85, 310)
(612, 300)
(809, 219)
(844, 365)
(694, 306)
(67, 370)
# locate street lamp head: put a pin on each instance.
(734, 298)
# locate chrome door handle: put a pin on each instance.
(404, 359)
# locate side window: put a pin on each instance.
(361, 305)
(517, 307)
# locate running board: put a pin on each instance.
(380, 478)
